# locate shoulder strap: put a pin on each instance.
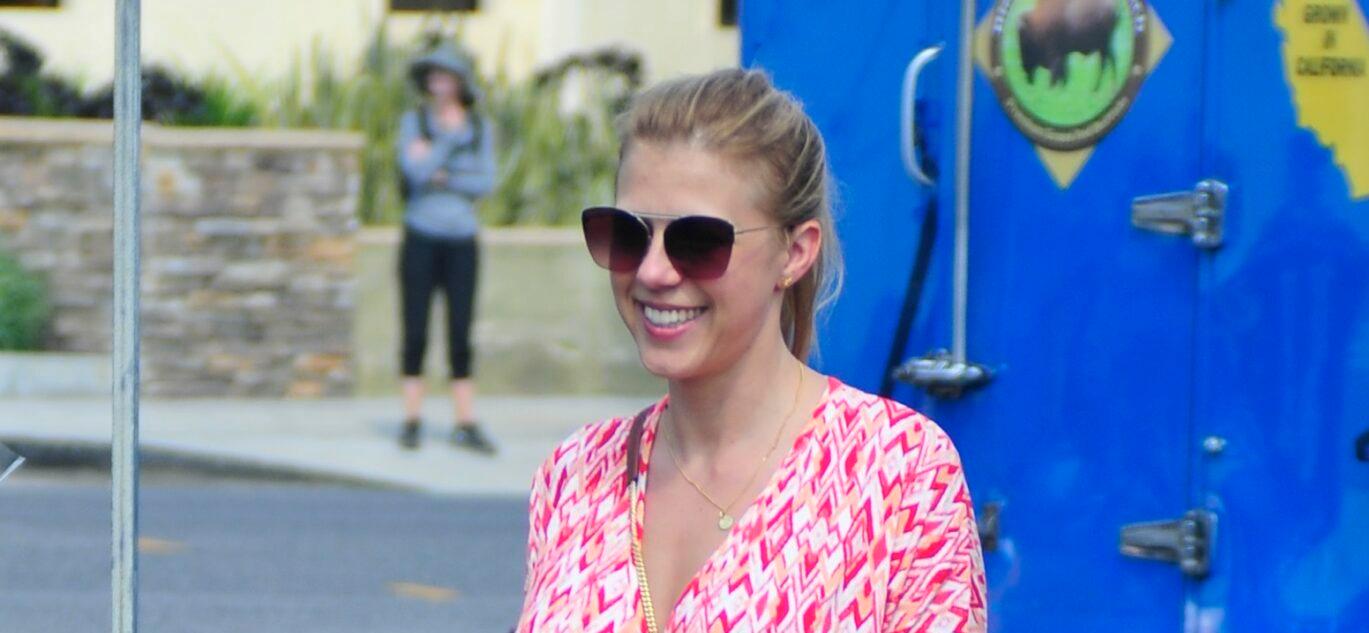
(425, 128)
(477, 128)
(634, 445)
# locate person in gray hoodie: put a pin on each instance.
(446, 155)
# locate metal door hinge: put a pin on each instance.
(1186, 542)
(1199, 213)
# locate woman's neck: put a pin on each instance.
(740, 408)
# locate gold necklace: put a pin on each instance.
(725, 518)
(644, 588)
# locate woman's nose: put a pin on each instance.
(656, 270)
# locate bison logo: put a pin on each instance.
(1067, 70)
(1053, 29)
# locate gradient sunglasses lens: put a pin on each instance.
(617, 240)
(700, 247)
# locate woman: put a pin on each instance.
(446, 154)
(719, 249)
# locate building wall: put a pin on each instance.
(676, 37)
(262, 37)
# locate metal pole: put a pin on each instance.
(942, 374)
(127, 247)
(962, 181)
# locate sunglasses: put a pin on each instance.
(698, 246)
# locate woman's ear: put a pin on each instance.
(805, 245)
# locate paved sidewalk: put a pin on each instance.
(347, 438)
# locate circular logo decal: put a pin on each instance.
(1066, 71)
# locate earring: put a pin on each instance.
(788, 281)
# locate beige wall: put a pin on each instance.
(675, 36)
(197, 36)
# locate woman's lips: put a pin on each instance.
(668, 322)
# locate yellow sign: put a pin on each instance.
(1326, 60)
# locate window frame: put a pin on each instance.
(429, 6)
(728, 13)
(30, 4)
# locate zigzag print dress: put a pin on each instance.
(867, 525)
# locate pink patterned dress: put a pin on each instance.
(866, 525)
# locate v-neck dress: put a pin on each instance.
(866, 525)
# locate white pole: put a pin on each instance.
(124, 444)
(962, 182)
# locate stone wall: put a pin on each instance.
(248, 249)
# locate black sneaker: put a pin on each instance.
(470, 435)
(409, 436)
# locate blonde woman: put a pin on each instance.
(758, 495)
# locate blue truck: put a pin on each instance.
(1119, 249)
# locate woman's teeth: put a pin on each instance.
(670, 318)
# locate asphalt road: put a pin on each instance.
(260, 557)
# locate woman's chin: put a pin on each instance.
(667, 364)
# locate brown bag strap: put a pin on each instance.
(634, 445)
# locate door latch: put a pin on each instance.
(1186, 542)
(987, 523)
(1199, 213)
(941, 375)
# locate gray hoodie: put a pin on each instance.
(445, 207)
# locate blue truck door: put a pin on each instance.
(1283, 338)
(1087, 323)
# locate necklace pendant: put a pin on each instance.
(725, 522)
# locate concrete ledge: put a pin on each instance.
(32, 130)
(503, 236)
(49, 374)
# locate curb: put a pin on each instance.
(50, 453)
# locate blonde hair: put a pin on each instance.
(742, 115)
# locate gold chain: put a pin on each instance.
(725, 519)
(648, 609)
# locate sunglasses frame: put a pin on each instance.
(651, 231)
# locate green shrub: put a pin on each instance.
(24, 308)
(224, 105)
(168, 97)
(25, 90)
(171, 99)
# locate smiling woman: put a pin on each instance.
(720, 249)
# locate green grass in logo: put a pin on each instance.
(1083, 95)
